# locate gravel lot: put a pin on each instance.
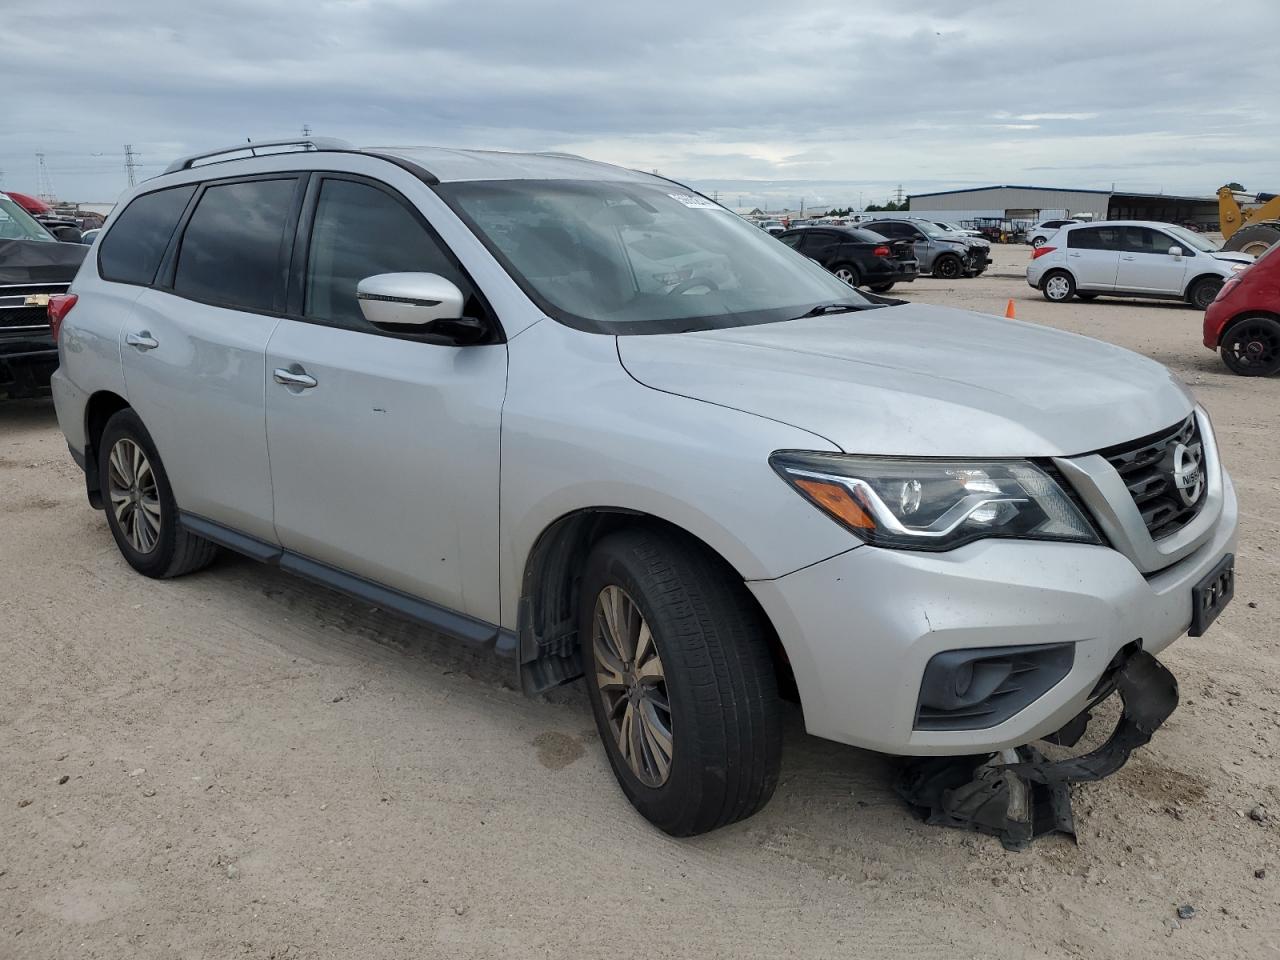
(238, 764)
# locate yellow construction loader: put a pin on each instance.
(1253, 230)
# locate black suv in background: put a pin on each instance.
(33, 266)
(858, 257)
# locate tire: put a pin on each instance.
(145, 528)
(947, 267)
(848, 273)
(882, 287)
(1039, 242)
(1255, 238)
(1203, 292)
(711, 645)
(1058, 286)
(1250, 347)
(1086, 296)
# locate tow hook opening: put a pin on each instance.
(1018, 795)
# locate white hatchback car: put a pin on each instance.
(478, 389)
(1131, 258)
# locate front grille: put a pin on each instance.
(1151, 469)
(19, 306)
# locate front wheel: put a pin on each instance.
(681, 682)
(1039, 242)
(141, 511)
(1204, 292)
(1251, 347)
(1058, 287)
(947, 267)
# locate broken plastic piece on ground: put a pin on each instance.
(1018, 795)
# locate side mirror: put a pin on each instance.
(1175, 251)
(408, 299)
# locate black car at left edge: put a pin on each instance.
(34, 265)
(859, 257)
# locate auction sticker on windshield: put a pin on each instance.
(694, 201)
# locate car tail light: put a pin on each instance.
(881, 251)
(1039, 252)
(60, 305)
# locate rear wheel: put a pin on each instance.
(1251, 347)
(1058, 287)
(848, 273)
(1254, 239)
(881, 287)
(1039, 242)
(141, 511)
(680, 680)
(1203, 292)
(947, 267)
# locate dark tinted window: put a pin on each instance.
(1146, 240)
(1094, 238)
(231, 248)
(821, 244)
(361, 231)
(896, 229)
(132, 248)
(791, 239)
(868, 236)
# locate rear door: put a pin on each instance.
(194, 352)
(824, 246)
(1146, 265)
(387, 466)
(1093, 256)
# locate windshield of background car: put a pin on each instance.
(1192, 239)
(637, 258)
(17, 224)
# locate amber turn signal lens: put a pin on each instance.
(836, 499)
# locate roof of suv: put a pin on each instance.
(442, 163)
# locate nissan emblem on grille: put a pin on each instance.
(1187, 475)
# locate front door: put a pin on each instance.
(1146, 264)
(194, 352)
(385, 459)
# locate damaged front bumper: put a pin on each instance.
(1018, 794)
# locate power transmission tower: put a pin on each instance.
(44, 186)
(130, 163)
(306, 129)
(899, 195)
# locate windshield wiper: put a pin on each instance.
(824, 308)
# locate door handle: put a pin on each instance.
(143, 340)
(1074, 254)
(294, 378)
(1128, 258)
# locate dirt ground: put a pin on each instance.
(239, 764)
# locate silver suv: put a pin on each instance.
(598, 423)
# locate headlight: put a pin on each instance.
(935, 504)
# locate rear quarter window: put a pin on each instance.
(133, 247)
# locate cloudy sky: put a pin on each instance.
(765, 102)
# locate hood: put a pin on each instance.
(1233, 256)
(919, 380)
(37, 261)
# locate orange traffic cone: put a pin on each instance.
(1009, 312)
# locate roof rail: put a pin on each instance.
(311, 143)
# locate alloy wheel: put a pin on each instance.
(845, 274)
(135, 499)
(633, 686)
(1254, 345)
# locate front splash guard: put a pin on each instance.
(1018, 795)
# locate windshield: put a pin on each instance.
(1192, 239)
(17, 224)
(634, 258)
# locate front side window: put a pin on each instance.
(133, 247)
(232, 247)
(360, 231)
(634, 257)
(1146, 240)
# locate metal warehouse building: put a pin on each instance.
(1031, 203)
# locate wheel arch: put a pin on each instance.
(546, 617)
(1200, 278)
(99, 408)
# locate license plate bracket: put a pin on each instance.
(1211, 595)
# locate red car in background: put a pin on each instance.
(1243, 323)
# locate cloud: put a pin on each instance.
(723, 90)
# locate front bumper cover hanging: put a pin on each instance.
(1018, 795)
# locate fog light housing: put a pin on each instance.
(981, 687)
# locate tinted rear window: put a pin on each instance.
(132, 248)
(1094, 238)
(231, 249)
